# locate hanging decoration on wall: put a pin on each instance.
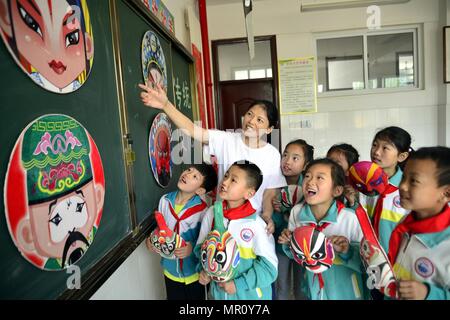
(158, 8)
(54, 192)
(199, 85)
(51, 41)
(160, 149)
(153, 61)
(248, 9)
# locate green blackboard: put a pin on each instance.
(95, 106)
(133, 24)
(108, 106)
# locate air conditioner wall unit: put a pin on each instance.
(342, 4)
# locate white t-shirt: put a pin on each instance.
(228, 147)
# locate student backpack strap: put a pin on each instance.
(218, 217)
(219, 252)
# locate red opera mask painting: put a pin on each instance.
(368, 178)
(54, 192)
(312, 249)
(160, 149)
(52, 41)
(153, 61)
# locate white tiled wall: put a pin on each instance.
(359, 127)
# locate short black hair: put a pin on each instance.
(337, 173)
(209, 175)
(308, 149)
(271, 110)
(439, 155)
(254, 174)
(350, 153)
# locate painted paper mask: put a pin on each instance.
(219, 253)
(368, 178)
(153, 61)
(379, 271)
(164, 240)
(160, 149)
(291, 196)
(312, 249)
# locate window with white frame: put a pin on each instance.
(367, 60)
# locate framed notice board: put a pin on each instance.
(104, 113)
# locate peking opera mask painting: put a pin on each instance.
(312, 249)
(160, 149)
(51, 41)
(54, 192)
(153, 61)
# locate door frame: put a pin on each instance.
(274, 61)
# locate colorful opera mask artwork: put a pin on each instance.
(220, 256)
(219, 253)
(51, 41)
(164, 240)
(379, 271)
(160, 149)
(153, 61)
(312, 249)
(291, 195)
(54, 192)
(368, 178)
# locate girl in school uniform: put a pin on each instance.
(323, 185)
(296, 155)
(390, 149)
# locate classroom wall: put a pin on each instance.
(352, 118)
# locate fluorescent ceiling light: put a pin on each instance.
(341, 4)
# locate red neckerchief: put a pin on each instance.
(240, 212)
(410, 225)
(320, 228)
(379, 208)
(189, 212)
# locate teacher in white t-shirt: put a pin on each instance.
(228, 147)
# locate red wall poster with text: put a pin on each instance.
(199, 84)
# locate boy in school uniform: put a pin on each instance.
(419, 244)
(257, 267)
(183, 211)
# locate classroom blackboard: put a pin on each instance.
(132, 25)
(108, 106)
